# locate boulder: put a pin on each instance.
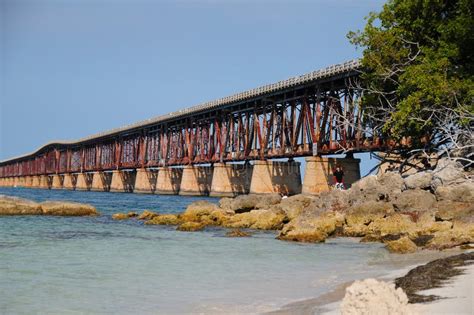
(120, 216)
(393, 225)
(18, 206)
(314, 227)
(191, 227)
(420, 180)
(449, 210)
(147, 215)
(61, 208)
(463, 192)
(266, 219)
(294, 205)
(359, 216)
(447, 172)
(415, 200)
(204, 212)
(448, 239)
(245, 203)
(165, 219)
(384, 187)
(401, 246)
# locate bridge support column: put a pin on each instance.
(318, 173)
(276, 177)
(122, 181)
(196, 180)
(145, 181)
(83, 181)
(35, 181)
(169, 180)
(57, 181)
(69, 181)
(28, 180)
(229, 180)
(101, 181)
(44, 182)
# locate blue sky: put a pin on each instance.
(69, 69)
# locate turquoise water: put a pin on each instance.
(95, 265)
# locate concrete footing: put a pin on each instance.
(57, 182)
(229, 180)
(122, 181)
(44, 182)
(145, 181)
(84, 181)
(319, 173)
(168, 181)
(196, 180)
(69, 181)
(276, 177)
(101, 181)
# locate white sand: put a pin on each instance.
(457, 294)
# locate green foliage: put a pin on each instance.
(418, 60)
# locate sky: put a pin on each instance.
(69, 69)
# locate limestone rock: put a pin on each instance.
(294, 205)
(204, 212)
(61, 208)
(463, 192)
(245, 203)
(449, 210)
(415, 200)
(132, 214)
(165, 219)
(191, 227)
(383, 187)
(18, 206)
(147, 215)
(266, 219)
(420, 180)
(312, 228)
(371, 296)
(449, 239)
(368, 211)
(120, 216)
(393, 225)
(401, 246)
(447, 172)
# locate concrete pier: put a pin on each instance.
(319, 173)
(122, 181)
(229, 180)
(35, 181)
(168, 181)
(145, 181)
(101, 181)
(57, 182)
(44, 182)
(69, 181)
(276, 177)
(28, 181)
(196, 180)
(84, 181)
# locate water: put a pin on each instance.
(95, 265)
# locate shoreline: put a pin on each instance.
(451, 292)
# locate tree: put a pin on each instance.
(417, 76)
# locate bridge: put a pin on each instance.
(242, 143)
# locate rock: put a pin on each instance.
(120, 216)
(314, 227)
(447, 172)
(371, 296)
(393, 224)
(420, 180)
(401, 246)
(61, 208)
(294, 205)
(132, 214)
(448, 239)
(191, 227)
(449, 210)
(359, 216)
(165, 219)
(384, 187)
(463, 192)
(200, 211)
(147, 215)
(415, 200)
(18, 206)
(237, 233)
(266, 219)
(245, 203)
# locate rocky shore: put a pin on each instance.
(431, 209)
(19, 206)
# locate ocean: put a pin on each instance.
(96, 265)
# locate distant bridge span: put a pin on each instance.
(311, 115)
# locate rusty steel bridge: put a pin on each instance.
(317, 113)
